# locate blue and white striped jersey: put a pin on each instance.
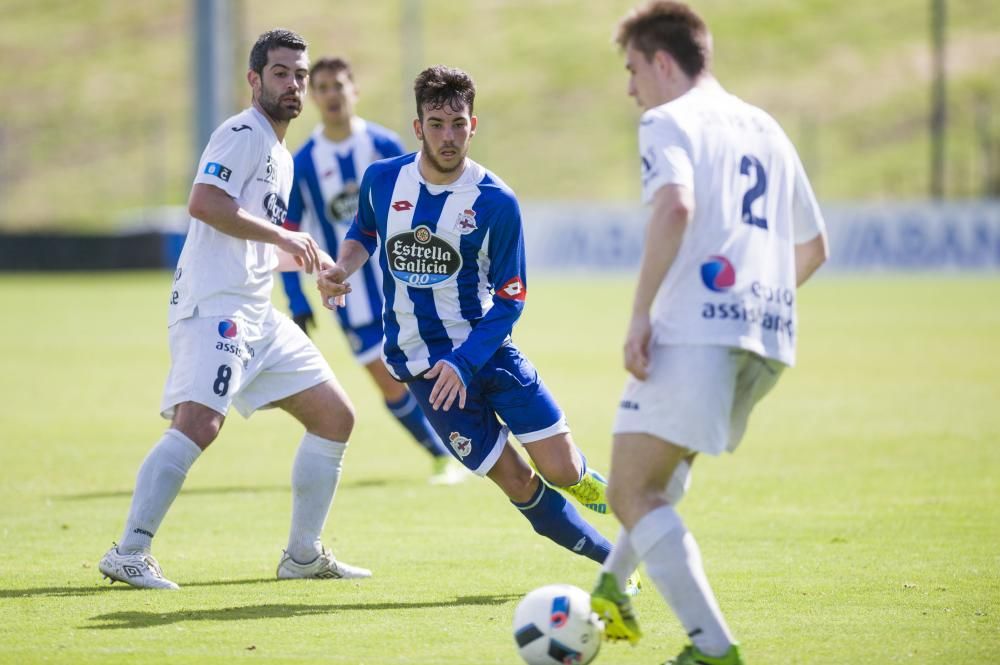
(323, 202)
(452, 260)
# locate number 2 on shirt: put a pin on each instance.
(757, 189)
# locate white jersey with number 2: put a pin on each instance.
(733, 281)
(218, 274)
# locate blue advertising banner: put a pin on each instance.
(954, 236)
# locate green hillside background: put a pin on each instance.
(98, 95)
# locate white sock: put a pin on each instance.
(674, 562)
(623, 560)
(315, 475)
(157, 484)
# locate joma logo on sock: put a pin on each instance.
(142, 532)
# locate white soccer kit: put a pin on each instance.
(218, 274)
(733, 281)
(227, 342)
(724, 319)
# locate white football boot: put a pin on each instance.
(323, 567)
(138, 569)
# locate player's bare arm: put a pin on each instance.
(673, 208)
(219, 210)
(332, 282)
(809, 256)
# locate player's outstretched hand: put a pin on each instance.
(302, 247)
(447, 387)
(305, 321)
(640, 332)
(332, 286)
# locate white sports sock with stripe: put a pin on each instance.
(673, 560)
(157, 484)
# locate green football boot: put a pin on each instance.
(692, 656)
(591, 491)
(615, 610)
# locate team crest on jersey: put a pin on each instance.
(419, 258)
(460, 444)
(275, 208)
(466, 222)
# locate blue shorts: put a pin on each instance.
(365, 341)
(507, 388)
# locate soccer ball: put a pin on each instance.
(554, 625)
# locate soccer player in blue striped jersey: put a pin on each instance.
(324, 199)
(447, 234)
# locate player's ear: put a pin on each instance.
(418, 131)
(664, 61)
(473, 121)
(253, 79)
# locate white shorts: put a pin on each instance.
(218, 361)
(697, 397)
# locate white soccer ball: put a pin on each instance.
(554, 625)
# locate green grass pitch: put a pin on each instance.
(859, 522)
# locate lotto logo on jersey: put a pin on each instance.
(218, 170)
(513, 290)
(275, 208)
(718, 274)
(421, 259)
(228, 329)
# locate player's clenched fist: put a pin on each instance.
(302, 247)
(331, 283)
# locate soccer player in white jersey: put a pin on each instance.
(228, 345)
(734, 229)
(324, 199)
(447, 233)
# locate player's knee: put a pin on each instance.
(629, 502)
(202, 433)
(617, 499)
(561, 474)
(201, 425)
(338, 422)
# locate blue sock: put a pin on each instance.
(555, 518)
(409, 415)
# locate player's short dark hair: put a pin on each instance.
(270, 40)
(663, 25)
(335, 65)
(439, 85)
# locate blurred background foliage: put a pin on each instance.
(99, 94)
